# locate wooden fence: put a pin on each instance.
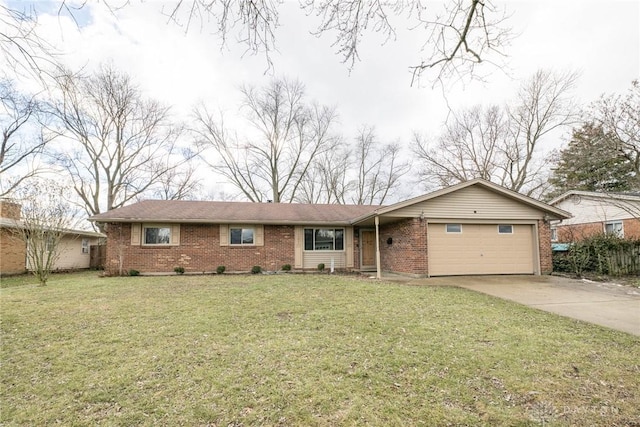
(620, 261)
(98, 256)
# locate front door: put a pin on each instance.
(368, 249)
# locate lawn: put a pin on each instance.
(301, 350)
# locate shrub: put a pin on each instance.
(561, 263)
(133, 272)
(256, 269)
(321, 266)
(286, 267)
(602, 254)
(179, 270)
(221, 269)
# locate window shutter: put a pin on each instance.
(175, 234)
(259, 236)
(224, 235)
(135, 234)
(348, 246)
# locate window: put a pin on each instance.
(554, 234)
(454, 228)
(85, 246)
(615, 228)
(157, 235)
(323, 239)
(505, 229)
(241, 236)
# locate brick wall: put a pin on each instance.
(544, 247)
(631, 228)
(573, 233)
(576, 232)
(408, 251)
(9, 210)
(199, 251)
(13, 253)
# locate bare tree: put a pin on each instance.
(543, 105)
(457, 39)
(290, 133)
(467, 149)
(619, 115)
(501, 144)
(379, 168)
(21, 142)
(116, 145)
(45, 219)
(365, 172)
(178, 184)
(326, 180)
(24, 52)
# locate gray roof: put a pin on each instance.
(173, 211)
(16, 224)
(631, 196)
(203, 212)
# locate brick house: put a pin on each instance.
(74, 246)
(475, 227)
(596, 213)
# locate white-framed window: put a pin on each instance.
(241, 236)
(323, 239)
(156, 235)
(85, 245)
(505, 229)
(614, 227)
(454, 228)
(554, 234)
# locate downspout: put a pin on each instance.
(378, 268)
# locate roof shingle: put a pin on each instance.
(233, 212)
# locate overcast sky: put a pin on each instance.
(599, 39)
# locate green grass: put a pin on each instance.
(300, 350)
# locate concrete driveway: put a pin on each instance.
(606, 304)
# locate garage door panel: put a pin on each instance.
(480, 249)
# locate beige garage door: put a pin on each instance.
(457, 249)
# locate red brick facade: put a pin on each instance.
(572, 233)
(10, 210)
(631, 228)
(199, 251)
(13, 253)
(544, 247)
(407, 252)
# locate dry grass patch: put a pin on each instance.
(301, 350)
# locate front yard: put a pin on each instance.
(301, 350)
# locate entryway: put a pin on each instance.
(367, 250)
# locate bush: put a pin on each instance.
(602, 254)
(256, 269)
(133, 272)
(179, 270)
(221, 269)
(286, 267)
(321, 267)
(561, 263)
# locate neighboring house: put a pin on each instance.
(74, 246)
(596, 213)
(476, 227)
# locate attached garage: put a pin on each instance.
(464, 249)
(471, 228)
